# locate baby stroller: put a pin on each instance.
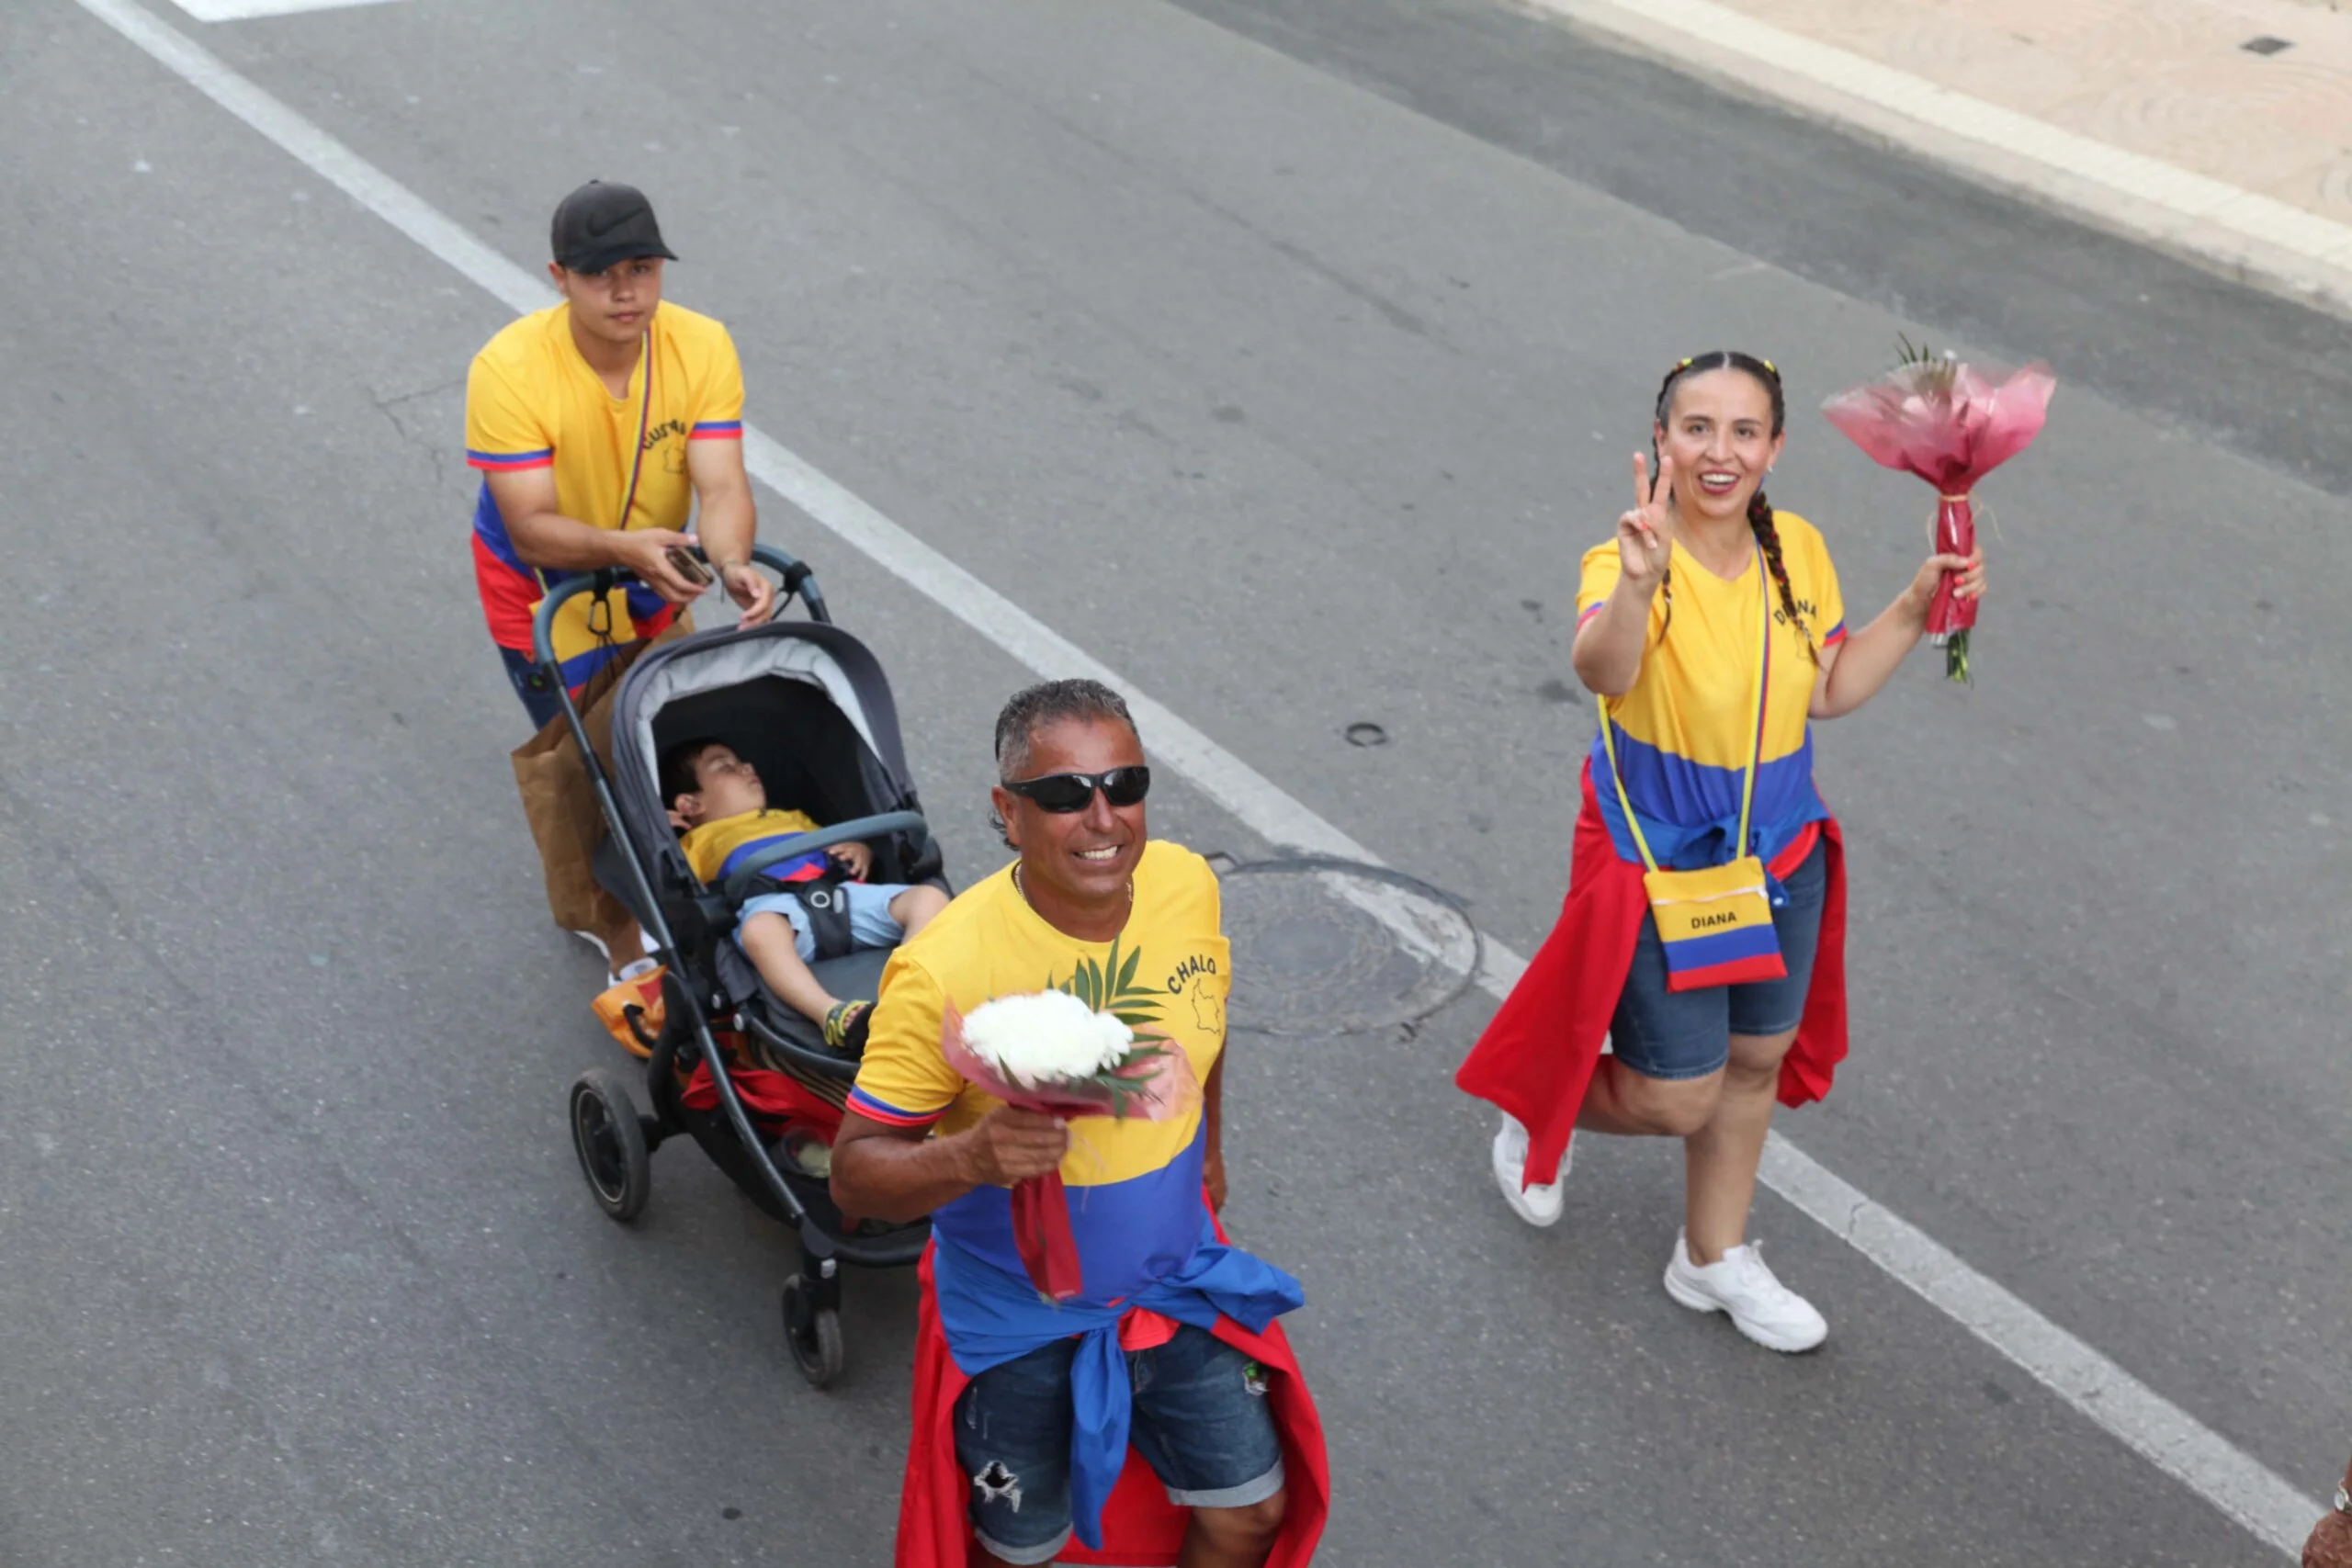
(749, 1078)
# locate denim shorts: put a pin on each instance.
(871, 924)
(1668, 1034)
(1200, 1421)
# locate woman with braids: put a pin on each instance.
(1713, 631)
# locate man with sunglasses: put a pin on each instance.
(1025, 1410)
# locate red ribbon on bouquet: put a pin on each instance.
(1158, 1083)
(1947, 613)
(1946, 422)
(1041, 1231)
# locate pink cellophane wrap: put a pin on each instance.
(1950, 436)
(1166, 1086)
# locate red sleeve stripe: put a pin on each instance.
(717, 430)
(873, 1109)
(506, 462)
(1594, 611)
(1837, 635)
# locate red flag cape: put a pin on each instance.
(1141, 1528)
(1537, 1056)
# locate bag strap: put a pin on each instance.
(1625, 804)
(636, 466)
(1763, 684)
(1755, 756)
(644, 424)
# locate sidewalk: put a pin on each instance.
(2147, 117)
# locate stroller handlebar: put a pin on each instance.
(795, 576)
(740, 884)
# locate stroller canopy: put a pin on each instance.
(804, 703)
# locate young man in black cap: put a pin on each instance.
(598, 423)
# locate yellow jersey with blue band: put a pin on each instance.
(1683, 735)
(533, 402)
(1134, 1187)
(717, 849)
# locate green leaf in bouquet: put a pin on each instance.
(1121, 1081)
(1127, 971)
(1940, 370)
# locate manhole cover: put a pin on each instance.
(1334, 947)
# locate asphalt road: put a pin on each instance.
(1285, 355)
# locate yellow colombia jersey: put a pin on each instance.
(713, 849)
(1135, 1185)
(1684, 741)
(531, 402)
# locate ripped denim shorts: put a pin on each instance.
(1200, 1421)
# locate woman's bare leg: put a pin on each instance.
(1623, 1102)
(1720, 1159)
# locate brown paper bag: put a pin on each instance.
(561, 803)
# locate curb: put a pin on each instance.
(2245, 237)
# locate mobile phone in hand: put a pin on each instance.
(683, 562)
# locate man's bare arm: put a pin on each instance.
(902, 1173)
(1213, 1151)
(727, 522)
(544, 537)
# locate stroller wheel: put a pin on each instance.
(611, 1143)
(813, 1333)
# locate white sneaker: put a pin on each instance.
(1539, 1204)
(644, 940)
(633, 969)
(1744, 1289)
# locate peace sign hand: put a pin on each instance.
(1645, 533)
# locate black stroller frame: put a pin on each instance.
(706, 978)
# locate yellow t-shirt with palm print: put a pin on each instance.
(1135, 1185)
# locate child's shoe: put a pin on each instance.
(846, 1027)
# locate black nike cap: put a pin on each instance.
(600, 224)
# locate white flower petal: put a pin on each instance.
(1046, 1037)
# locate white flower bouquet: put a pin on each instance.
(1053, 1052)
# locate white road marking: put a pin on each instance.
(2170, 1439)
(1433, 933)
(2242, 232)
(242, 10)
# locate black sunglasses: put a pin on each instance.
(1062, 794)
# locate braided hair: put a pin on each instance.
(1759, 510)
